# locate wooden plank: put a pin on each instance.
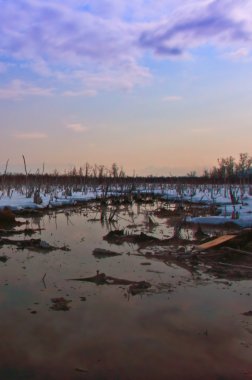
(216, 242)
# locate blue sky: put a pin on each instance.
(160, 87)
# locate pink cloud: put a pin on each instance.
(77, 127)
(18, 89)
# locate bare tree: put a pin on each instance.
(114, 170)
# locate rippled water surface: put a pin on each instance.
(187, 326)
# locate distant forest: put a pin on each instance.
(227, 170)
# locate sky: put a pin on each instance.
(160, 87)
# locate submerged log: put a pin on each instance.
(101, 253)
(34, 244)
(26, 231)
(139, 287)
(248, 313)
(118, 237)
(103, 279)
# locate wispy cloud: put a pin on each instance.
(125, 76)
(87, 93)
(238, 54)
(77, 127)
(18, 89)
(219, 23)
(102, 43)
(172, 98)
(30, 136)
(185, 26)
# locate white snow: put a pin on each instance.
(19, 201)
(240, 213)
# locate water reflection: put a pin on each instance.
(188, 327)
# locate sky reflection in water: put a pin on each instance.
(194, 331)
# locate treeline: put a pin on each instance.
(228, 170)
(38, 180)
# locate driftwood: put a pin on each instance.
(26, 231)
(21, 243)
(101, 253)
(216, 242)
(103, 279)
(119, 237)
(34, 244)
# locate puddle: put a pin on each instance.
(188, 325)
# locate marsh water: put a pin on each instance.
(188, 325)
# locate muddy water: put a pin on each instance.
(188, 326)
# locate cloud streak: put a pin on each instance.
(172, 98)
(218, 23)
(77, 127)
(18, 89)
(30, 136)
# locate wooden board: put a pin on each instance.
(216, 242)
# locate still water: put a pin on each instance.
(187, 326)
